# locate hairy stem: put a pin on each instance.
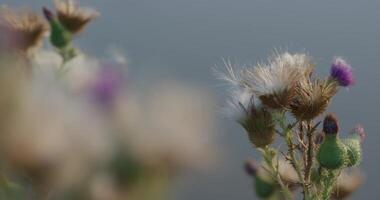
(269, 155)
(303, 147)
(294, 161)
(329, 177)
(310, 153)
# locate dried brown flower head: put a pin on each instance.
(260, 127)
(278, 100)
(21, 30)
(72, 17)
(312, 98)
(274, 83)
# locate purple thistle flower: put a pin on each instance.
(341, 71)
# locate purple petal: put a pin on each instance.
(107, 85)
(342, 72)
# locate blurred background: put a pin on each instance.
(183, 40)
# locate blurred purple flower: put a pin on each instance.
(359, 130)
(341, 71)
(107, 85)
(251, 167)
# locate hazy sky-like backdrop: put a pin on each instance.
(184, 39)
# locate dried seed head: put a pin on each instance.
(278, 100)
(242, 100)
(72, 17)
(260, 127)
(21, 30)
(330, 125)
(274, 82)
(312, 98)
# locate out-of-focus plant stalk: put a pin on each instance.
(269, 155)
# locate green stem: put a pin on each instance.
(328, 183)
(293, 160)
(310, 153)
(269, 154)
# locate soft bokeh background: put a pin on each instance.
(184, 39)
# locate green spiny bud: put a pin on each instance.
(353, 145)
(353, 152)
(332, 153)
(60, 37)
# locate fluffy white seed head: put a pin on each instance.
(280, 73)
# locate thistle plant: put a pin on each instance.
(285, 99)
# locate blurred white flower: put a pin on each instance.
(171, 125)
(54, 137)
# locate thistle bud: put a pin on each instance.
(353, 145)
(60, 37)
(330, 125)
(354, 152)
(260, 127)
(332, 153)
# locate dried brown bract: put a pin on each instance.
(312, 98)
(21, 30)
(260, 127)
(274, 83)
(73, 17)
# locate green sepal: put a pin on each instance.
(60, 37)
